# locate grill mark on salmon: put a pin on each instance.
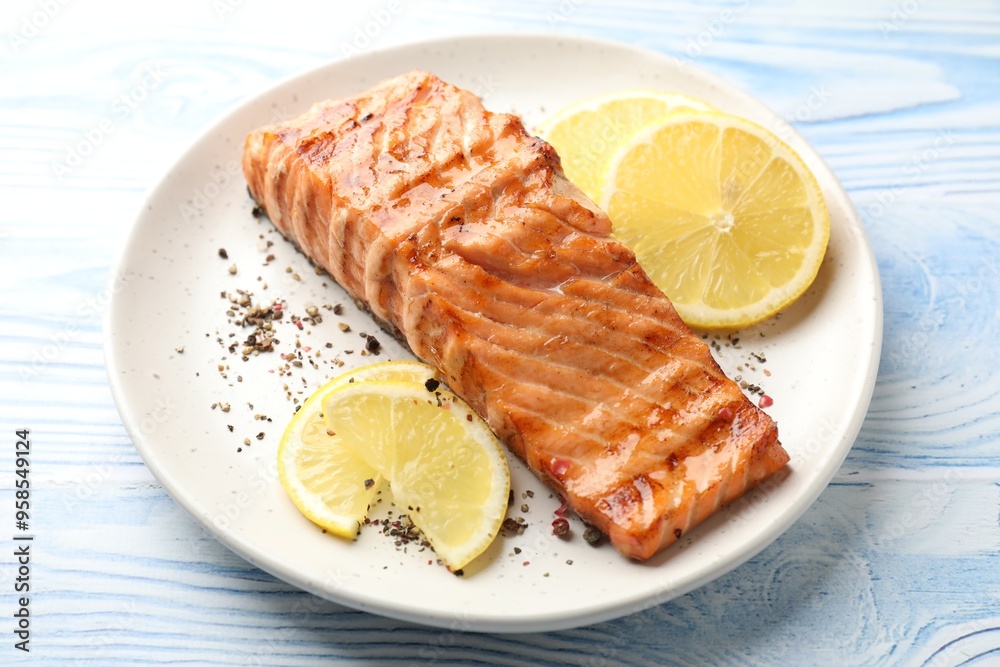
(460, 233)
(595, 328)
(587, 376)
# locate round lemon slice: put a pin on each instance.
(325, 479)
(724, 217)
(442, 462)
(586, 134)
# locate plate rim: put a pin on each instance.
(485, 622)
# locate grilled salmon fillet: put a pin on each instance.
(459, 231)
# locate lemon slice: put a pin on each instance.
(724, 217)
(442, 462)
(586, 134)
(326, 480)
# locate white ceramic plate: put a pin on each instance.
(822, 356)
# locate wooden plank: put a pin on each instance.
(898, 562)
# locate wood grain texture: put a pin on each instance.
(897, 563)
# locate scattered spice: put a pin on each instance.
(560, 527)
(372, 344)
(563, 508)
(512, 526)
(402, 530)
(765, 401)
(223, 254)
(592, 536)
(432, 384)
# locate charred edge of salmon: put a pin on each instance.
(361, 305)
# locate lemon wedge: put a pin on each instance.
(587, 134)
(442, 462)
(724, 217)
(327, 481)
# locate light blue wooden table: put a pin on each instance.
(897, 563)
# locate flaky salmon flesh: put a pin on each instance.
(459, 231)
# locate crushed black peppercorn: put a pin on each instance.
(513, 527)
(592, 536)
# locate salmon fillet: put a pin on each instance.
(459, 231)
